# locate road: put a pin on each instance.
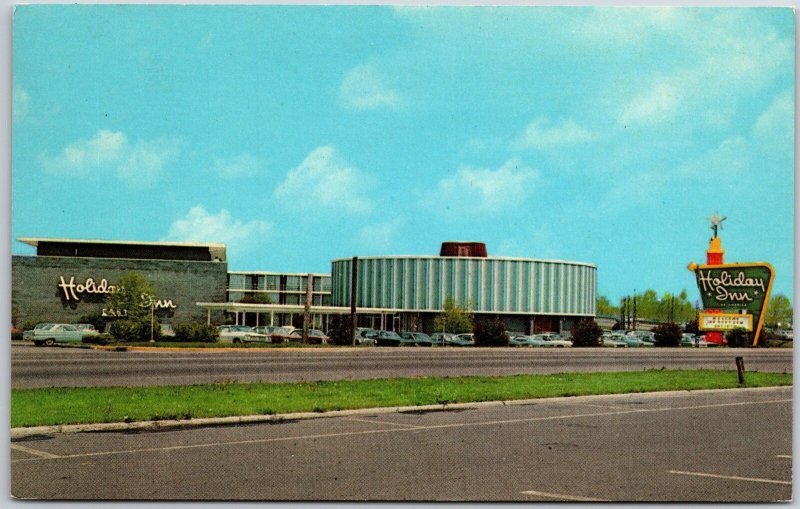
(703, 446)
(72, 367)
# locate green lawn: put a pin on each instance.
(34, 407)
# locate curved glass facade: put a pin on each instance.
(488, 285)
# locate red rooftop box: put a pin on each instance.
(465, 249)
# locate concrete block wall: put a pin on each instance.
(35, 292)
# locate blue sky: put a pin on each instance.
(296, 135)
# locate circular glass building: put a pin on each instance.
(528, 294)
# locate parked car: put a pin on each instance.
(523, 340)
(315, 336)
(239, 334)
(86, 329)
(366, 336)
(631, 341)
(50, 333)
(28, 334)
(609, 340)
(274, 333)
(553, 340)
(419, 338)
(644, 335)
(391, 338)
(441, 338)
(461, 340)
(167, 330)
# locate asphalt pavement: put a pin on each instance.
(702, 446)
(73, 367)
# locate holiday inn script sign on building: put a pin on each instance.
(734, 295)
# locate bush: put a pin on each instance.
(30, 324)
(97, 339)
(586, 333)
(16, 336)
(132, 330)
(692, 327)
(339, 330)
(739, 337)
(490, 333)
(195, 332)
(667, 334)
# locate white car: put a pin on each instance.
(239, 334)
(553, 340)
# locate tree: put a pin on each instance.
(132, 301)
(455, 318)
(339, 330)
(491, 333)
(586, 333)
(131, 297)
(605, 308)
(258, 298)
(779, 311)
(667, 334)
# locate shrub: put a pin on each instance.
(339, 330)
(667, 334)
(586, 333)
(692, 327)
(490, 333)
(97, 339)
(30, 324)
(195, 332)
(739, 337)
(132, 330)
(16, 336)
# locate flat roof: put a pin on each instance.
(477, 258)
(34, 241)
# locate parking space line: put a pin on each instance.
(560, 496)
(784, 456)
(380, 422)
(416, 428)
(28, 450)
(731, 477)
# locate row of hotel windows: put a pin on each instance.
(278, 282)
(279, 298)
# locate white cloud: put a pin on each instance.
(381, 236)
(243, 165)
(725, 58)
(363, 89)
(541, 135)
(200, 226)
(111, 152)
(472, 191)
(21, 103)
(652, 107)
(324, 180)
(774, 129)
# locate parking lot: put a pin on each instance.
(732, 445)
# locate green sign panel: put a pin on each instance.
(736, 288)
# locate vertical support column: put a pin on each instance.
(715, 255)
(307, 307)
(353, 293)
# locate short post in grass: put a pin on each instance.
(740, 369)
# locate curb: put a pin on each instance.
(252, 419)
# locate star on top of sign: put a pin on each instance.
(716, 222)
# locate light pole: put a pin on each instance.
(152, 318)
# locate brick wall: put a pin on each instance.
(35, 292)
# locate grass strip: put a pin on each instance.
(36, 407)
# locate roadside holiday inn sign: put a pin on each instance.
(735, 295)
